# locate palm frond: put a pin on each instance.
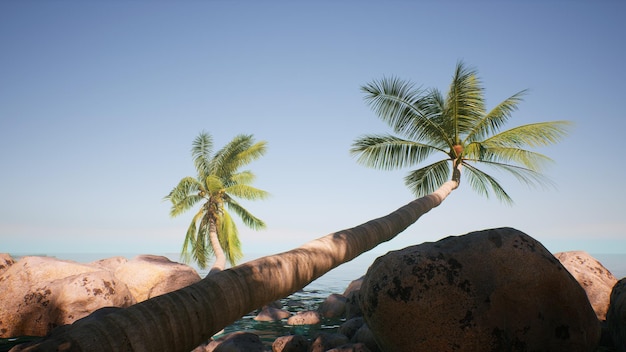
(228, 236)
(184, 196)
(532, 135)
(514, 156)
(389, 152)
(427, 179)
(465, 103)
(482, 183)
(529, 177)
(246, 217)
(201, 150)
(493, 121)
(244, 191)
(194, 245)
(407, 110)
(235, 154)
(214, 184)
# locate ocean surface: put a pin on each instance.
(335, 281)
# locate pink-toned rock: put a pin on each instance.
(325, 341)
(148, 276)
(40, 293)
(5, 262)
(307, 317)
(493, 290)
(272, 314)
(595, 279)
(110, 264)
(334, 306)
(290, 343)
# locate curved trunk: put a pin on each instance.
(183, 319)
(220, 257)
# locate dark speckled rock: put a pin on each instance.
(493, 290)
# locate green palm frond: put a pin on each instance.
(427, 179)
(201, 150)
(479, 152)
(248, 219)
(407, 110)
(495, 119)
(533, 135)
(184, 196)
(229, 239)
(529, 177)
(389, 152)
(464, 103)
(213, 184)
(194, 245)
(247, 192)
(482, 183)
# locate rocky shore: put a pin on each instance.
(447, 295)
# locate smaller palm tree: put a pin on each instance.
(212, 231)
(459, 128)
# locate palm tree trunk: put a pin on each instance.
(220, 257)
(183, 319)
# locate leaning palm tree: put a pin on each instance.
(180, 320)
(459, 127)
(212, 231)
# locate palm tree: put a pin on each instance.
(212, 231)
(457, 126)
(180, 320)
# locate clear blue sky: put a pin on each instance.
(100, 101)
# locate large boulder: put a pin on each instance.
(148, 276)
(5, 262)
(493, 290)
(595, 279)
(38, 294)
(616, 316)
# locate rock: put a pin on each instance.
(616, 316)
(272, 314)
(354, 286)
(353, 305)
(351, 347)
(290, 343)
(594, 278)
(493, 290)
(350, 327)
(40, 293)
(365, 336)
(325, 341)
(240, 342)
(5, 262)
(148, 276)
(334, 306)
(307, 317)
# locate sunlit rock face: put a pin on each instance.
(493, 290)
(38, 294)
(595, 279)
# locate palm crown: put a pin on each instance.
(219, 181)
(458, 126)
